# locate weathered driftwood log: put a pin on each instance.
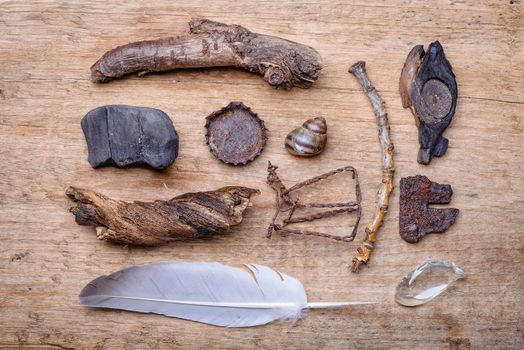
(190, 215)
(386, 186)
(427, 85)
(283, 63)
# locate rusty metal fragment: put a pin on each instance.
(235, 134)
(288, 204)
(427, 85)
(416, 219)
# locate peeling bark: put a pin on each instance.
(283, 63)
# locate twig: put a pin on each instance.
(363, 252)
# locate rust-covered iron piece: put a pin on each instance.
(235, 134)
(416, 218)
(427, 85)
(287, 204)
(190, 215)
(281, 62)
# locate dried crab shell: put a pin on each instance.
(235, 134)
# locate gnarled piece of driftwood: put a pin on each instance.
(427, 85)
(190, 215)
(283, 63)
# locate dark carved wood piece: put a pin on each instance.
(428, 86)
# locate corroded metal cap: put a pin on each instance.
(235, 134)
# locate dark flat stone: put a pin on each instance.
(120, 135)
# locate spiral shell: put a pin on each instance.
(309, 139)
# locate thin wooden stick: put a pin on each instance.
(386, 187)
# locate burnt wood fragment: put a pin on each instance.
(119, 135)
(416, 219)
(428, 86)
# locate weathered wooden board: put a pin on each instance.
(46, 49)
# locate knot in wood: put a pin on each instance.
(437, 100)
(275, 76)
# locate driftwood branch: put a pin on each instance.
(283, 63)
(190, 215)
(366, 248)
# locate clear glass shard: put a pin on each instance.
(427, 281)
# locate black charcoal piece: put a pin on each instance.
(428, 86)
(120, 135)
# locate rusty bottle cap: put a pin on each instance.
(235, 134)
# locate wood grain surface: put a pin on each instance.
(46, 49)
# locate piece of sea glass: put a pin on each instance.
(427, 281)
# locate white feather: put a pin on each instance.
(205, 292)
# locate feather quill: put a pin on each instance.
(211, 293)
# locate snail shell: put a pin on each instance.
(309, 139)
